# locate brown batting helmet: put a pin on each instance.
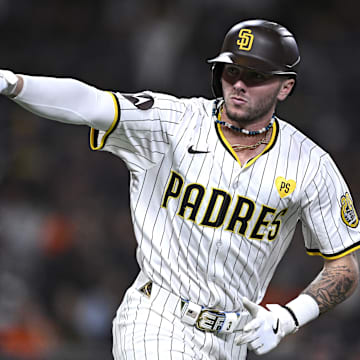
(258, 45)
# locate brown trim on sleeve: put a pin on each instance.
(340, 254)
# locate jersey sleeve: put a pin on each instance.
(329, 219)
(142, 130)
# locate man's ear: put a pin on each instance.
(285, 89)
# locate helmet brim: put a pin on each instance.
(250, 62)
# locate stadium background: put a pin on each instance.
(66, 243)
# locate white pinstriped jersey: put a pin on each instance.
(209, 229)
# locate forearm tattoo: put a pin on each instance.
(332, 286)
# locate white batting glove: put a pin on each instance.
(8, 82)
(264, 332)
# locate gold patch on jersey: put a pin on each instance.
(284, 187)
(348, 212)
(245, 39)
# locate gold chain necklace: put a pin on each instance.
(239, 147)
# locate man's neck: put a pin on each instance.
(248, 124)
(247, 146)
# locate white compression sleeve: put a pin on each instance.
(67, 100)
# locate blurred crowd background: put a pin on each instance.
(67, 250)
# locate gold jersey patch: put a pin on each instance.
(284, 187)
(348, 212)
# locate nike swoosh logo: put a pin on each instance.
(141, 100)
(193, 151)
(276, 329)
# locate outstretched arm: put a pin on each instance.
(335, 283)
(66, 100)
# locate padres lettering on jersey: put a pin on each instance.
(219, 205)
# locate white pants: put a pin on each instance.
(150, 328)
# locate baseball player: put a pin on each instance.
(217, 188)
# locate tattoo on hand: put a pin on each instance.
(331, 287)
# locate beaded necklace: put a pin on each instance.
(217, 110)
(245, 131)
(238, 147)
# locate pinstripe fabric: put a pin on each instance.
(208, 229)
(150, 328)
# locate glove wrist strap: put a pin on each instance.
(303, 309)
(296, 321)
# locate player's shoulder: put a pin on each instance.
(299, 139)
(169, 100)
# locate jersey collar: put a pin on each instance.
(268, 147)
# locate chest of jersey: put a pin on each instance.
(208, 187)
